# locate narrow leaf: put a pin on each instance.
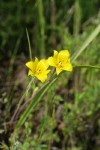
(33, 103)
(87, 66)
(86, 43)
(30, 50)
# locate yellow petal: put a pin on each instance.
(68, 67)
(58, 70)
(55, 53)
(55, 56)
(42, 77)
(32, 64)
(64, 55)
(42, 65)
(29, 64)
(51, 61)
(30, 73)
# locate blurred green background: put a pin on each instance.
(52, 24)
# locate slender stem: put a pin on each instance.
(87, 66)
(41, 27)
(30, 50)
(21, 99)
(34, 102)
(21, 108)
(27, 102)
(53, 23)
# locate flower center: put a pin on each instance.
(38, 71)
(60, 64)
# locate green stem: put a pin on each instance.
(34, 102)
(41, 28)
(86, 66)
(21, 99)
(30, 50)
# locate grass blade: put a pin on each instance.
(41, 27)
(33, 103)
(86, 43)
(30, 50)
(87, 66)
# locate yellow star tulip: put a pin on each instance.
(61, 61)
(38, 69)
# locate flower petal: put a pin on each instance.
(29, 64)
(51, 61)
(32, 64)
(64, 55)
(61, 61)
(55, 53)
(42, 77)
(42, 65)
(58, 70)
(68, 67)
(30, 73)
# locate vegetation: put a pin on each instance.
(62, 113)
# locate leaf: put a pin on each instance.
(30, 50)
(34, 102)
(86, 66)
(86, 43)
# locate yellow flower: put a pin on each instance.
(61, 61)
(38, 69)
